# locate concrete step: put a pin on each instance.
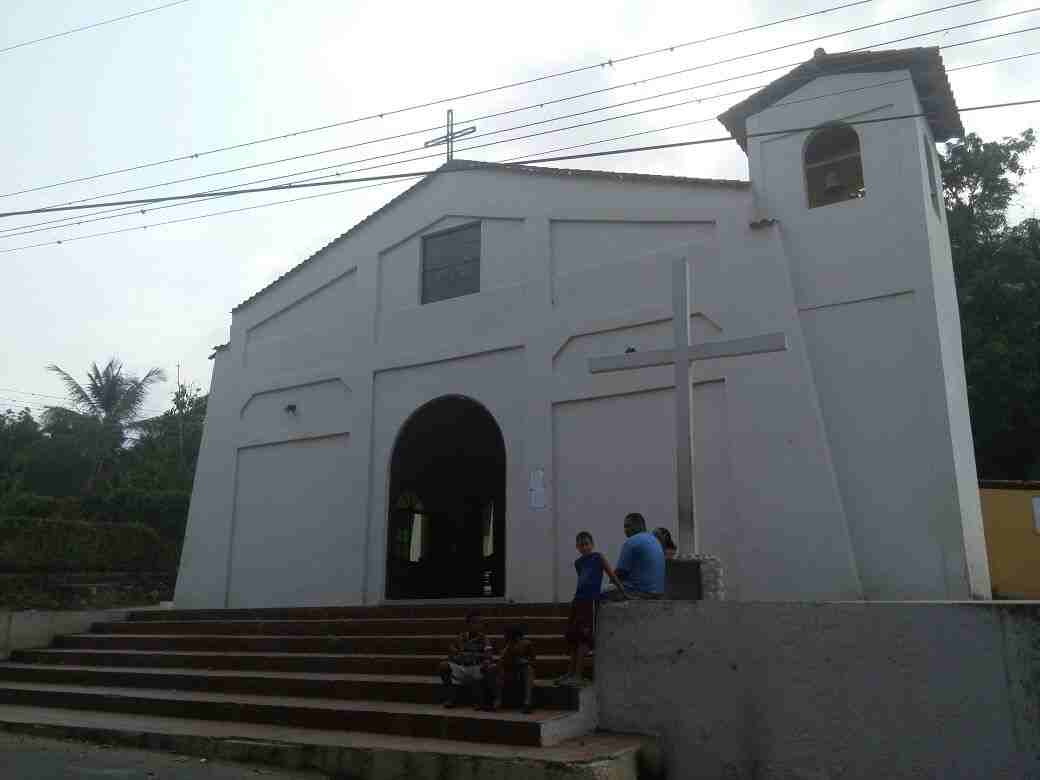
(357, 755)
(374, 687)
(450, 627)
(397, 612)
(548, 667)
(378, 644)
(543, 727)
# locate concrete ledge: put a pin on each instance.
(31, 628)
(811, 690)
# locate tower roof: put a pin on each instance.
(926, 71)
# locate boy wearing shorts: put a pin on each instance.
(515, 670)
(471, 656)
(581, 626)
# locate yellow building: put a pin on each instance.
(1011, 516)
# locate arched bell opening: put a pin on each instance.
(833, 166)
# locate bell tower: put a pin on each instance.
(841, 152)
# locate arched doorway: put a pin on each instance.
(446, 536)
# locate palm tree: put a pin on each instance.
(108, 405)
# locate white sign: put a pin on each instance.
(536, 490)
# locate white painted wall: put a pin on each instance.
(873, 284)
(866, 690)
(827, 471)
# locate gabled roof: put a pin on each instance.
(926, 71)
(531, 170)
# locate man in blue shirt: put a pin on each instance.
(640, 566)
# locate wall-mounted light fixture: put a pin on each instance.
(290, 408)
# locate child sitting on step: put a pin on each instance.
(472, 655)
(581, 626)
(515, 670)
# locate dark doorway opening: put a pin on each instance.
(446, 524)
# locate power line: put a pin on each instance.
(34, 405)
(228, 191)
(508, 159)
(91, 26)
(439, 101)
(785, 131)
(389, 178)
(216, 193)
(670, 74)
(46, 395)
(384, 183)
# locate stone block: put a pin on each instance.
(694, 578)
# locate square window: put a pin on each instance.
(451, 264)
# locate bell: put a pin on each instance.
(832, 182)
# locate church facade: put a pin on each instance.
(410, 414)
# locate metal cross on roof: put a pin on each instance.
(450, 134)
(681, 356)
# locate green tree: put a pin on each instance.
(103, 410)
(18, 432)
(997, 267)
(166, 448)
(980, 180)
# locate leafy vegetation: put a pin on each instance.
(95, 464)
(997, 266)
(34, 544)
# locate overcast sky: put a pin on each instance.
(207, 74)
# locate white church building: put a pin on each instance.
(410, 412)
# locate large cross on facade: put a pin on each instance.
(680, 356)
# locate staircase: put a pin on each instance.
(351, 669)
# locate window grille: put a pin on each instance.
(451, 264)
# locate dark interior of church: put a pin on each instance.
(446, 529)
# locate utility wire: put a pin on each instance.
(121, 211)
(548, 151)
(430, 156)
(91, 26)
(540, 160)
(439, 101)
(641, 81)
(46, 395)
(23, 404)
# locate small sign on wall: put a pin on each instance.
(536, 490)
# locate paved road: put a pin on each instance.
(36, 758)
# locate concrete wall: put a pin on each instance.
(873, 284)
(1010, 514)
(870, 690)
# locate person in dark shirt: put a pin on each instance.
(471, 656)
(581, 626)
(664, 536)
(514, 671)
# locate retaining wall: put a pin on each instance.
(827, 690)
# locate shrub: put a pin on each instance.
(34, 544)
(164, 510)
(28, 505)
(19, 504)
